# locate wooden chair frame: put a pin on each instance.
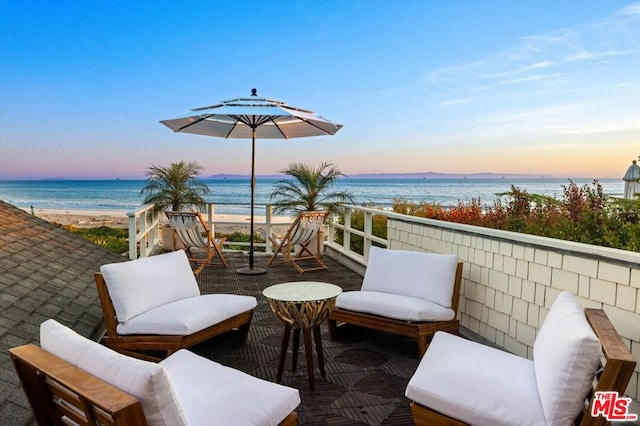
(420, 330)
(297, 235)
(133, 344)
(613, 375)
(195, 239)
(56, 388)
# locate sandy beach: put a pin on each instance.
(224, 223)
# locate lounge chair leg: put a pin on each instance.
(243, 331)
(422, 346)
(333, 329)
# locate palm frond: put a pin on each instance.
(306, 189)
(176, 187)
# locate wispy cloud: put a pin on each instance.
(577, 65)
(631, 10)
(455, 102)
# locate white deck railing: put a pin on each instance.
(144, 227)
(349, 231)
(144, 232)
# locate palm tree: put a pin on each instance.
(175, 187)
(309, 190)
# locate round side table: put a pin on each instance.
(302, 305)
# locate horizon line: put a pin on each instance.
(383, 175)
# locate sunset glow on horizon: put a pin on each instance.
(539, 87)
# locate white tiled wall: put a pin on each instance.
(510, 281)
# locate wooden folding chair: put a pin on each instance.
(306, 229)
(192, 231)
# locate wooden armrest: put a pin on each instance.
(619, 362)
(56, 388)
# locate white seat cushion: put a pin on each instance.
(566, 353)
(188, 316)
(214, 394)
(476, 384)
(140, 285)
(427, 276)
(146, 381)
(393, 306)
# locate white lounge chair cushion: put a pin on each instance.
(147, 381)
(214, 394)
(188, 316)
(427, 276)
(393, 306)
(476, 384)
(566, 353)
(141, 285)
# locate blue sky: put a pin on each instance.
(458, 86)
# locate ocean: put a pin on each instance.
(232, 196)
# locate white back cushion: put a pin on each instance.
(566, 353)
(140, 285)
(146, 381)
(428, 276)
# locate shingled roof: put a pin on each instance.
(45, 272)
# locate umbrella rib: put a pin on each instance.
(250, 120)
(235, 123)
(191, 124)
(313, 125)
(279, 129)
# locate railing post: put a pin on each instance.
(368, 231)
(144, 232)
(267, 231)
(133, 253)
(155, 231)
(346, 238)
(210, 223)
(331, 228)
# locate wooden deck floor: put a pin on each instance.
(366, 371)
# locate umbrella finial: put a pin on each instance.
(254, 92)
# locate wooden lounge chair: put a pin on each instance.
(193, 232)
(404, 292)
(576, 354)
(304, 231)
(154, 304)
(73, 380)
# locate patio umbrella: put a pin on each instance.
(631, 184)
(255, 118)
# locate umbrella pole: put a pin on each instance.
(251, 270)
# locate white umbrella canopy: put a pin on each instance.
(238, 118)
(255, 118)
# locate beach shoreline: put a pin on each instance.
(224, 223)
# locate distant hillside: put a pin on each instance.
(424, 175)
(240, 177)
(435, 175)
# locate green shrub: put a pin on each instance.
(584, 215)
(242, 237)
(113, 239)
(378, 228)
